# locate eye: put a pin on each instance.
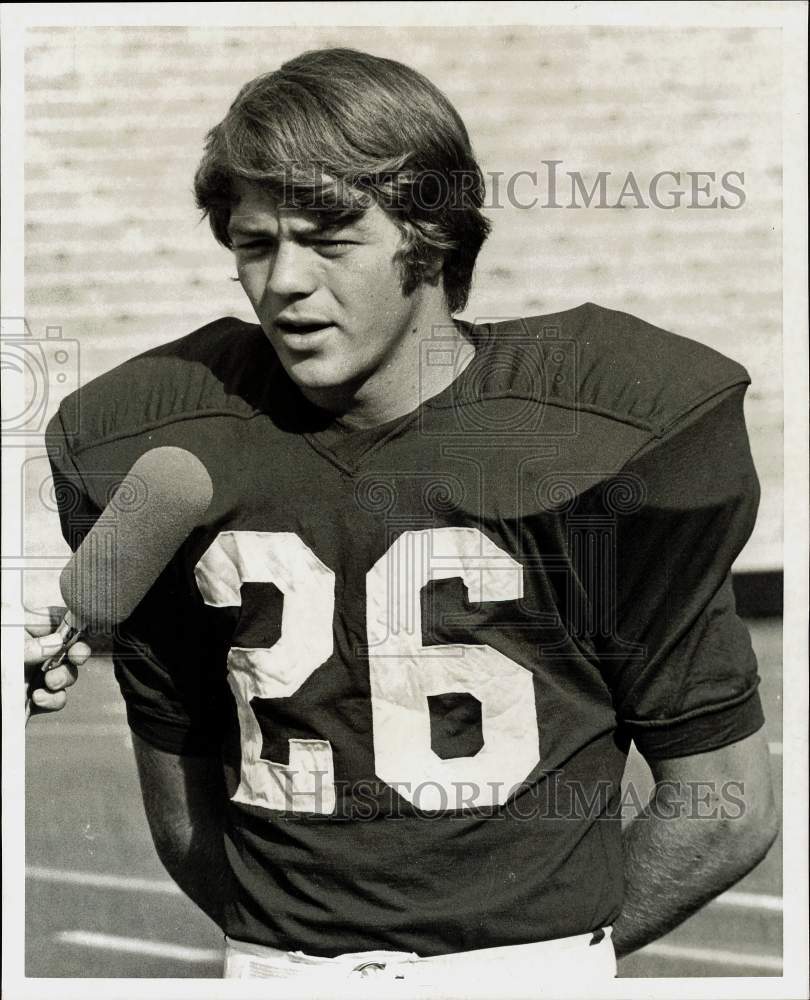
(254, 247)
(331, 247)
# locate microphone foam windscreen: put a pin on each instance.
(157, 505)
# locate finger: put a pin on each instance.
(61, 677)
(42, 621)
(79, 652)
(38, 649)
(49, 701)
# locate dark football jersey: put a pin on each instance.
(422, 650)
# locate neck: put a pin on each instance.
(404, 381)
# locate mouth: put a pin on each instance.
(302, 334)
(301, 327)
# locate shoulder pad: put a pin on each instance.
(224, 367)
(599, 360)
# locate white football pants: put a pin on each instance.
(567, 966)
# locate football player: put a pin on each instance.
(382, 699)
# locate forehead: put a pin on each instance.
(254, 207)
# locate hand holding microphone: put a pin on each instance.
(126, 550)
(43, 642)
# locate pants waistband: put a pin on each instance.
(583, 956)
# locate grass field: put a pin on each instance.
(98, 903)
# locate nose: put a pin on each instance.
(291, 272)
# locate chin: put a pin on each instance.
(314, 374)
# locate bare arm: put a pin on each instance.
(710, 820)
(185, 803)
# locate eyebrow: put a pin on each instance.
(246, 229)
(318, 223)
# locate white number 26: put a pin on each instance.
(403, 672)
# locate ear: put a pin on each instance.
(433, 271)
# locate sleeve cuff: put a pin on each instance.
(167, 736)
(700, 733)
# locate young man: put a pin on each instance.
(381, 700)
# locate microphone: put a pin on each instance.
(157, 505)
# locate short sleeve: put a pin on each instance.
(171, 671)
(77, 510)
(168, 667)
(676, 656)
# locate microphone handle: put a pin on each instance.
(69, 632)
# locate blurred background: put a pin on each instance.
(117, 262)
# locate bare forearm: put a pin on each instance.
(200, 868)
(676, 860)
(185, 805)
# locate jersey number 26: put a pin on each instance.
(403, 672)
